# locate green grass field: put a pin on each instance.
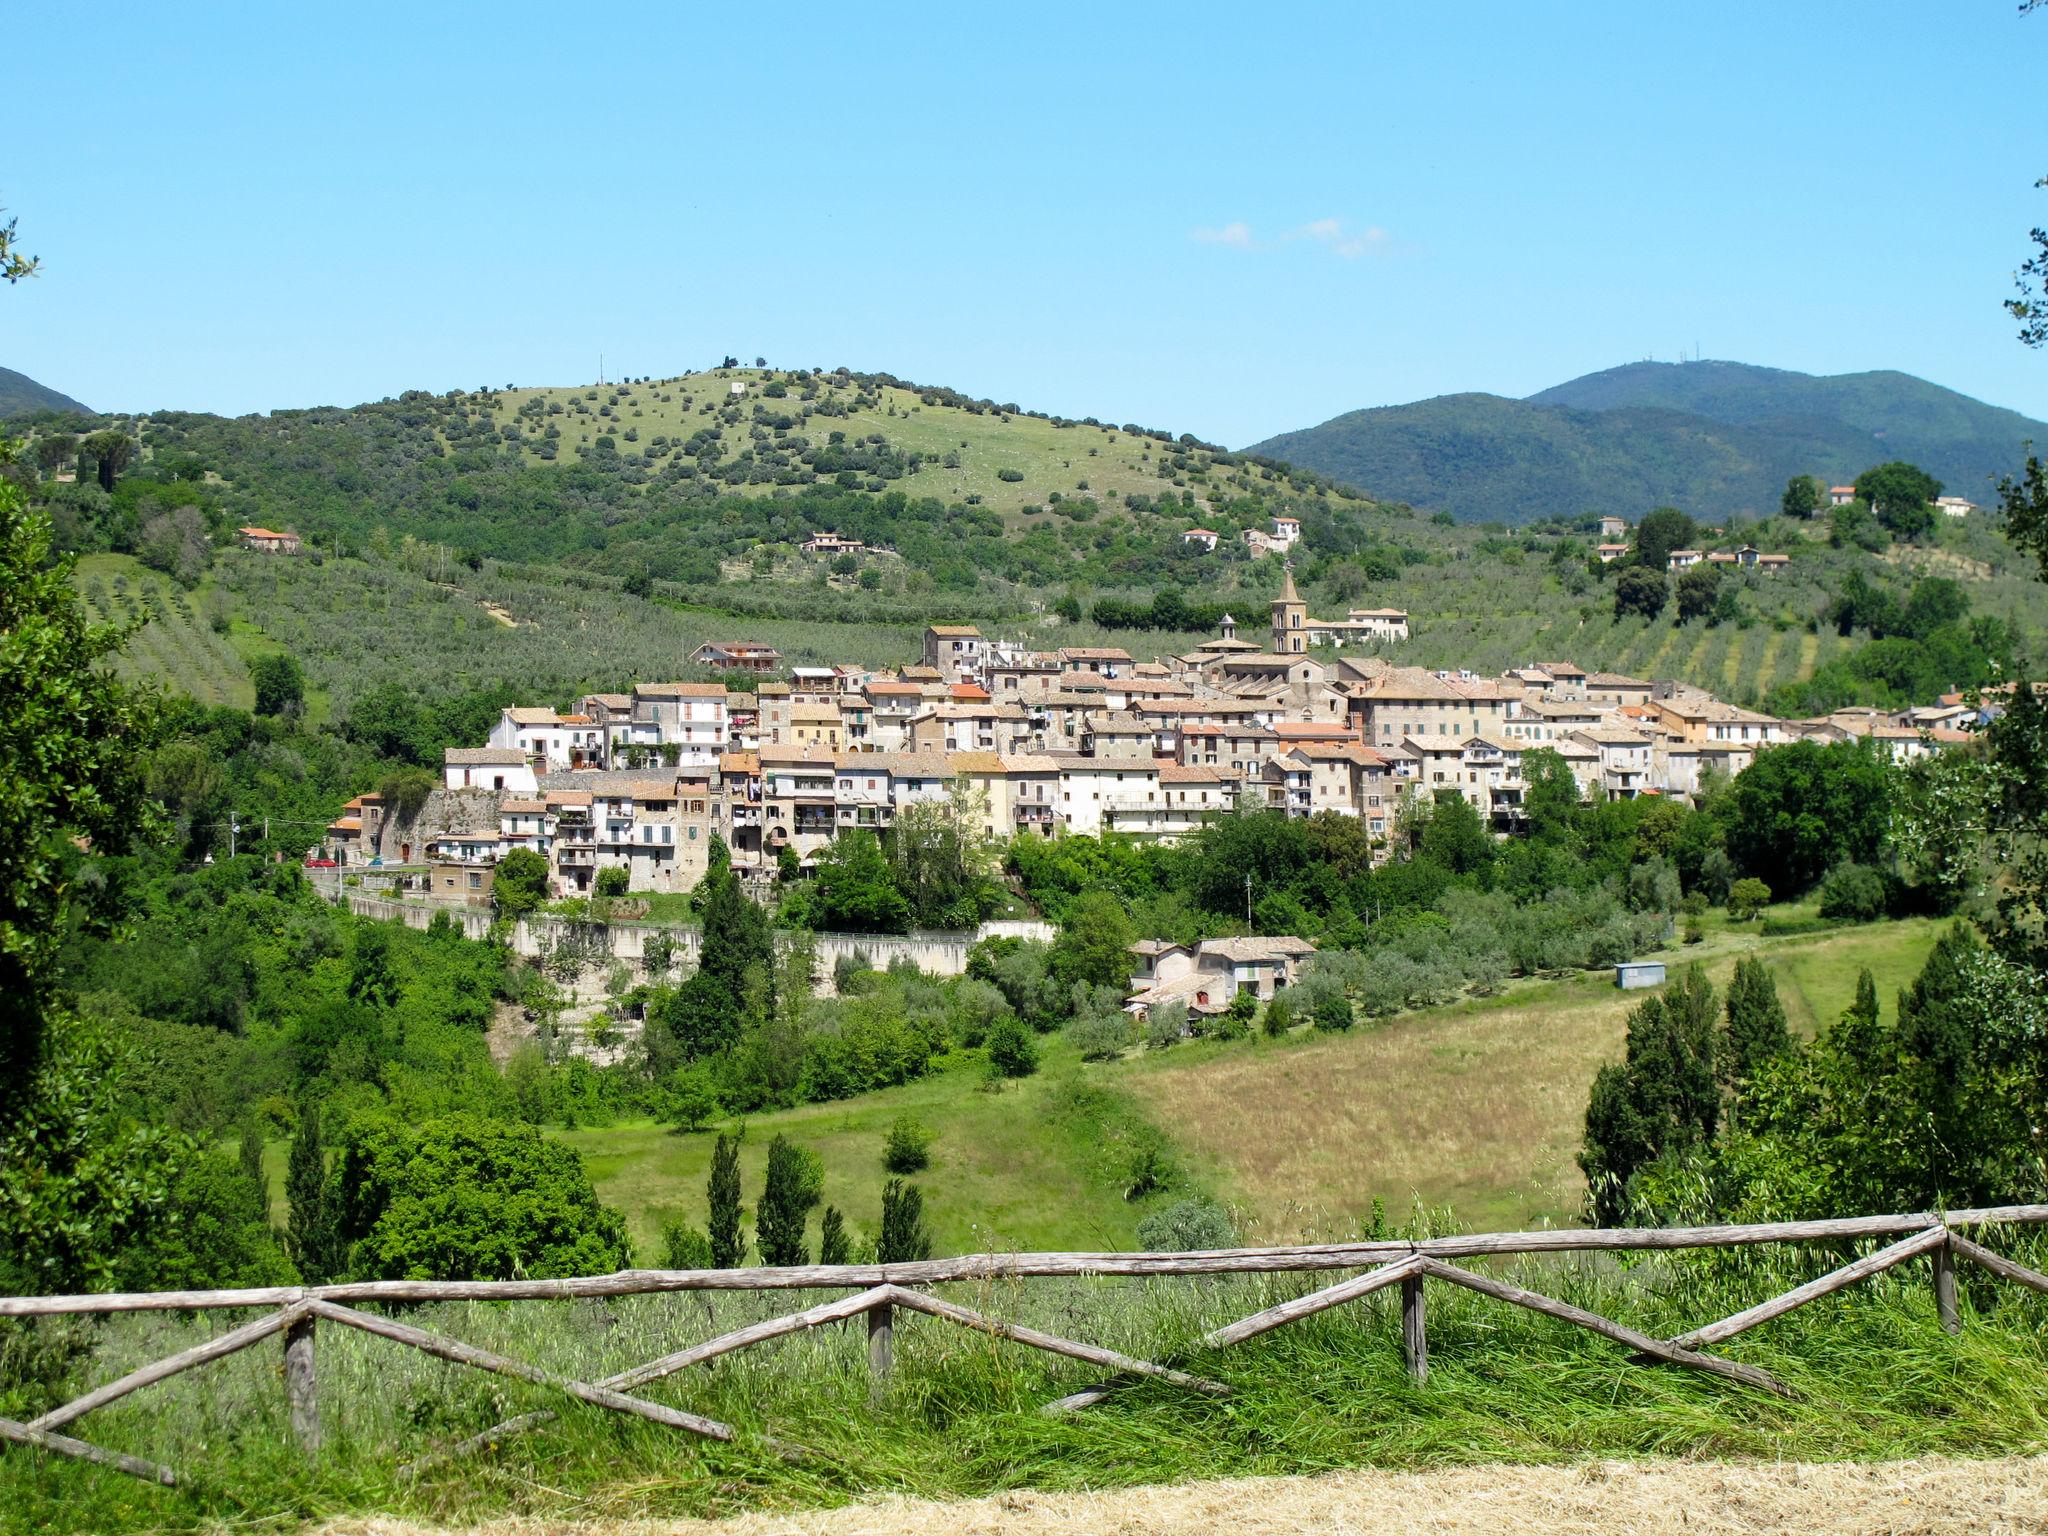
(1025, 1166)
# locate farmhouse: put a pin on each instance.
(1208, 975)
(269, 541)
(737, 656)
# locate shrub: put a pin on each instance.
(1332, 1011)
(684, 1247)
(1746, 897)
(1011, 1050)
(612, 882)
(1166, 1024)
(1279, 1017)
(1100, 1036)
(906, 1146)
(1853, 892)
(1186, 1226)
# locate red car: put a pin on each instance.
(322, 864)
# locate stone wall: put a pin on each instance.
(935, 952)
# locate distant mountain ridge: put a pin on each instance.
(1716, 438)
(21, 395)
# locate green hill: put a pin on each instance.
(1719, 439)
(678, 477)
(21, 396)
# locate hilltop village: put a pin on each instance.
(1083, 739)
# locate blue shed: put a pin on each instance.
(1631, 974)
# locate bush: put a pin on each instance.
(1187, 1225)
(612, 882)
(1100, 1036)
(1853, 892)
(906, 1146)
(1166, 1024)
(684, 1247)
(1332, 1011)
(1746, 897)
(1011, 1050)
(1279, 1017)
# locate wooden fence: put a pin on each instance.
(879, 1292)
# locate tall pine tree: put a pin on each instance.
(313, 1232)
(1662, 1099)
(1757, 1032)
(728, 1243)
(905, 1240)
(793, 1185)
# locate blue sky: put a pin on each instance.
(1227, 220)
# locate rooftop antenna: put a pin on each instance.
(600, 370)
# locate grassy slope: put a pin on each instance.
(1051, 458)
(1010, 1169)
(1475, 1106)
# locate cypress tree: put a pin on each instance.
(905, 1239)
(1756, 1024)
(1663, 1099)
(250, 1155)
(792, 1188)
(313, 1233)
(833, 1247)
(728, 1245)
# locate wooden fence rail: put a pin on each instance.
(880, 1292)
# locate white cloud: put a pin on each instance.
(1236, 235)
(1334, 235)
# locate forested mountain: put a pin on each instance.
(1715, 438)
(21, 395)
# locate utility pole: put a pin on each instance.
(232, 829)
(1247, 898)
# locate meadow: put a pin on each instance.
(1474, 1109)
(1875, 1376)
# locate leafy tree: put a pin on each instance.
(853, 888)
(722, 1189)
(1332, 1010)
(942, 861)
(1855, 892)
(833, 1246)
(739, 945)
(110, 453)
(1698, 590)
(2031, 307)
(1659, 534)
(13, 265)
(1802, 497)
(1641, 591)
(313, 1234)
(372, 977)
(1803, 808)
(249, 1156)
(1243, 1009)
(521, 882)
(1747, 897)
(1011, 1050)
(691, 1100)
(1661, 1101)
(2016, 746)
(1902, 495)
(67, 778)
(795, 1180)
(1757, 1032)
(1454, 836)
(467, 1198)
(1093, 945)
(905, 1239)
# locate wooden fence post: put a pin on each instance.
(1945, 1289)
(881, 1349)
(299, 1388)
(1414, 1330)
